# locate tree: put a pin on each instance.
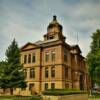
(93, 59)
(3, 65)
(12, 70)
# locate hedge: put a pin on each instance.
(63, 92)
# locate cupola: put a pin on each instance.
(54, 30)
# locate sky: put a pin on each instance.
(27, 21)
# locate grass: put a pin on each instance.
(35, 97)
(94, 96)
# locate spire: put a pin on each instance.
(54, 21)
(54, 18)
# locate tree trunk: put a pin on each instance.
(11, 91)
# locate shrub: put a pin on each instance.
(62, 92)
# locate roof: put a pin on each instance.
(76, 47)
(39, 43)
(43, 42)
(29, 43)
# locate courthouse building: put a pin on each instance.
(53, 63)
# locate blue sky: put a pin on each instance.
(27, 20)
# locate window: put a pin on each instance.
(32, 73)
(51, 37)
(23, 89)
(25, 59)
(52, 85)
(52, 56)
(29, 58)
(25, 73)
(46, 72)
(46, 86)
(47, 57)
(66, 73)
(33, 58)
(65, 58)
(53, 71)
(31, 85)
(66, 85)
(65, 55)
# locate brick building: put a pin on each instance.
(52, 63)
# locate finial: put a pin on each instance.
(54, 18)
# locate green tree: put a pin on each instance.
(2, 79)
(93, 59)
(12, 71)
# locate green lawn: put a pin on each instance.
(20, 97)
(94, 96)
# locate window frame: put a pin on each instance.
(52, 85)
(32, 72)
(31, 85)
(47, 57)
(25, 73)
(33, 57)
(45, 86)
(53, 71)
(46, 72)
(29, 58)
(53, 56)
(66, 72)
(25, 59)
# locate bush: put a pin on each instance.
(62, 92)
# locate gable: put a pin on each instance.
(28, 46)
